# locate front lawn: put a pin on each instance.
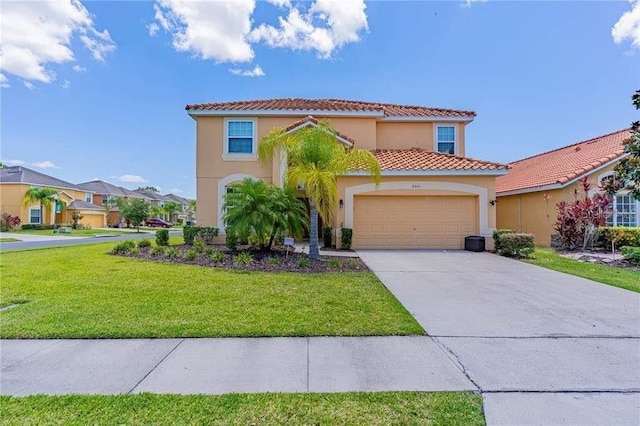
(73, 233)
(383, 408)
(82, 292)
(8, 240)
(617, 277)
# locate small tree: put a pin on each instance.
(148, 188)
(627, 171)
(171, 207)
(578, 221)
(76, 217)
(135, 211)
(259, 212)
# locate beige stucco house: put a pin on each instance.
(528, 195)
(431, 195)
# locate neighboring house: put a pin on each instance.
(16, 181)
(430, 196)
(104, 192)
(528, 195)
(154, 199)
(185, 214)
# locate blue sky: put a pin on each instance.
(539, 75)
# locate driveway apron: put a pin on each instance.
(542, 346)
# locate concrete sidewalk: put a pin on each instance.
(216, 366)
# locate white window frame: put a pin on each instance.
(614, 216)
(455, 137)
(232, 156)
(88, 197)
(39, 215)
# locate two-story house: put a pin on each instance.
(104, 193)
(431, 195)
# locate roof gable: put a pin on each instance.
(312, 121)
(563, 165)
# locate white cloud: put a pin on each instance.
(45, 165)
(175, 191)
(38, 34)
(4, 81)
(153, 29)
(65, 84)
(628, 26)
(78, 68)
(468, 3)
(131, 178)
(213, 30)
(255, 72)
(29, 85)
(13, 162)
(224, 31)
(342, 23)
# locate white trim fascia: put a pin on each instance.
(481, 192)
(232, 156)
(222, 184)
(310, 123)
(432, 173)
(560, 185)
(456, 130)
(430, 118)
(283, 112)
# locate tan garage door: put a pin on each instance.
(437, 222)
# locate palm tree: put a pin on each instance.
(44, 196)
(171, 207)
(316, 160)
(259, 212)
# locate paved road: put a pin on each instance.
(60, 241)
(543, 347)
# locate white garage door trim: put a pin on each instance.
(481, 192)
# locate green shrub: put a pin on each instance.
(231, 240)
(327, 234)
(352, 263)
(620, 235)
(124, 247)
(217, 256)
(632, 254)
(191, 254)
(497, 233)
(207, 234)
(162, 237)
(209, 251)
(243, 258)
(158, 251)
(189, 234)
(334, 263)
(144, 244)
(173, 252)
(36, 226)
(347, 236)
(273, 260)
(198, 246)
(304, 263)
(516, 245)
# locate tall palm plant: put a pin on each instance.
(44, 196)
(315, 161)
(171, 207)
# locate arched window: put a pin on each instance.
(626, 209)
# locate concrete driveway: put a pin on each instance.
(543, 347)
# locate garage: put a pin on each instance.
(401, 222)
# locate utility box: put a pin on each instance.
(474, 243)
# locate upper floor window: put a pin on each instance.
(87, 197)
(105, 199)
(446, 139)
(240, 137)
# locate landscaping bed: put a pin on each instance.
(600, 258)
(277, 260)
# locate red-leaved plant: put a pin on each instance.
(578, 221)
(8, 222)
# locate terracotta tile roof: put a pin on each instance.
(388, 110)
(563, 164)
(310, 119)
(422, 160)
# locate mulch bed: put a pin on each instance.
(600, 258)
(275, 261)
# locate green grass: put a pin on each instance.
(617, 277)
(384, 408)
(73, 233)
(81, 292)
(8, 240)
